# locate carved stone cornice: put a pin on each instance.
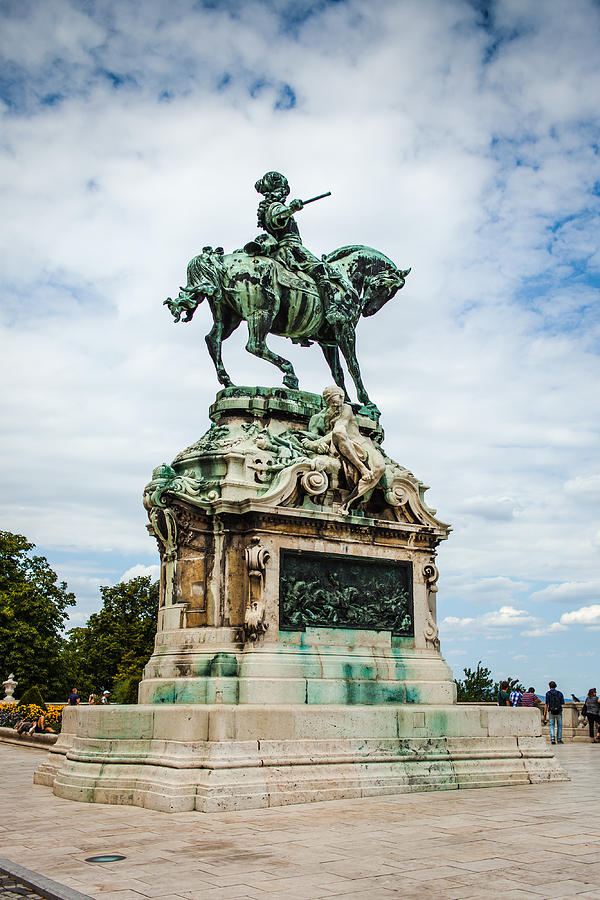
(255, 459)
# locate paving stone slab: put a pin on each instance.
(471, 844)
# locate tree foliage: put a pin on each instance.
(477, 686)
(111, 650)
(513, 684)
(33, 610)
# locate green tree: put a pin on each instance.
(513, 684)
(477, 686)
(33, 610)
(116, 643)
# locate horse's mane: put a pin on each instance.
(369, 252)
(202, 266)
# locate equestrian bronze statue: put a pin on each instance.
(279, 287)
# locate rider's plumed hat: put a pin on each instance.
(272, 182)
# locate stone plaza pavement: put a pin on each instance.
(529, 842)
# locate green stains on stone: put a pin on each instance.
(164, 693)
(399, 641)
(191, 691)
(438, 722)
(224, 665)
(222, 686)
(363, 688)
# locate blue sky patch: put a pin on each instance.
(286, 99)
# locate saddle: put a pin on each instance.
(293, 279)
(297, 281)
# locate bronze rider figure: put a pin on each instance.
(284, 242)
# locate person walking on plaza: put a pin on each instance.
(73, 697)
(591, 709)
(553, 710)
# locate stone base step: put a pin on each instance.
(222, 758)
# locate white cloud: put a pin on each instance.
(129, 142)
(497, 508)
(140, 570)
(544, 630)
(586, 615)
(492, 589)
(505, 617)
(586, 488)
(454, 620)
(568, 591)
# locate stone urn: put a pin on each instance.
(9, 689)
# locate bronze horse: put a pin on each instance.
(274, 300)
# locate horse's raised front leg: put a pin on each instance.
(221, 330)
(259, 324)
(332, 357)
(347, 344)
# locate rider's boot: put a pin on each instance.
(337, 310)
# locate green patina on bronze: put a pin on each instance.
(334, 591)
(278, 286)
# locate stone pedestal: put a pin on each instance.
(221, 757)
(297, 653)
(269, 594)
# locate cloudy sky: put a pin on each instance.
(460, 138)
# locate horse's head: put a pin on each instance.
(204, 281)
(380, 288)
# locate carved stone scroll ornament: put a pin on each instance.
(257, 558)
(165, 480)
(431, 573)
(164, 526)
(315, 482)
(402, 489)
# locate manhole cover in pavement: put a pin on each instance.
(105, 857)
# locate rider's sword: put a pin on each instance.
(320, 197)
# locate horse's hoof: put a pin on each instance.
(291, 381)
(370, 410)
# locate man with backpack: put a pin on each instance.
(553, 709)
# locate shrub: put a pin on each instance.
(32, 696)
(126, 690)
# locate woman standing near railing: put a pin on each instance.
(591, 709)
